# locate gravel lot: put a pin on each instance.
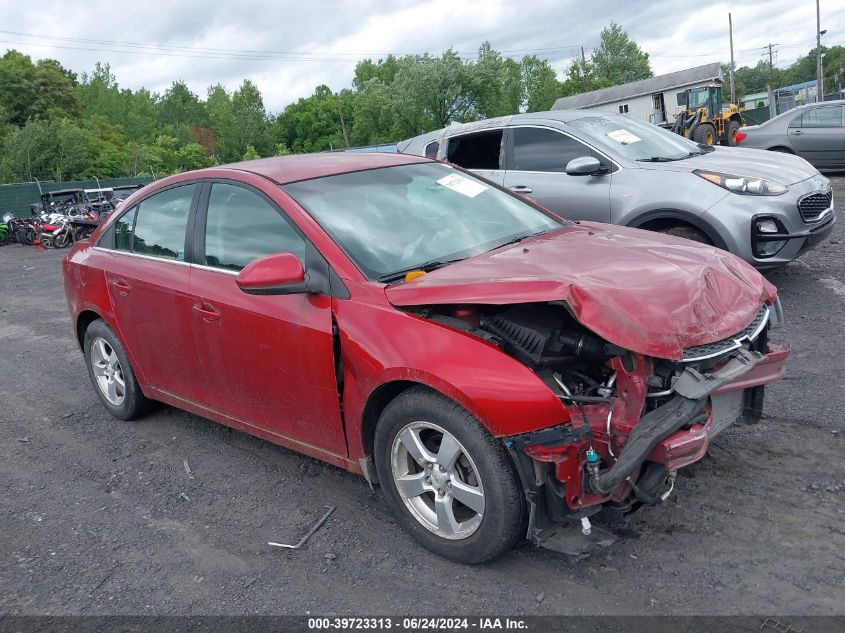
(93, 519)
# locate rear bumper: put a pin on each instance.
(742, 398)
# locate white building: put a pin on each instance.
(655, 100)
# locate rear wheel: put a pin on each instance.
(688, 233)
(111, 374)
(705, 134)
(448, 481)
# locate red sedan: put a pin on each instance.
(504, 374)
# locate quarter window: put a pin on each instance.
(431, 149)
(161, 223)
(542, 149)
(123, 230)
(242, 226)
(827, 116)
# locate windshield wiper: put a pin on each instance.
(428, 266)
(517, 240)
(657, 159)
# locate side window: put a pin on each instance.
(827, 116)
(123, 230)
(681, 98)
(431, 149)
(542, 149)
(242, 226)
(161, 223)
(476, 151)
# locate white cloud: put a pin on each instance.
(325, 39)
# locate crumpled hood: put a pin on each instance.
(786, 169)
(647, 292)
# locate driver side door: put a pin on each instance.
(268, 360)
(536, 167)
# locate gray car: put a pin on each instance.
(764, 207)
(815, 132)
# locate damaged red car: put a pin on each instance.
(502, 373)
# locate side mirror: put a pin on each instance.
(277, 274)
(583, 166)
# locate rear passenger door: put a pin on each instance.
(148, 278)
(480, 152)
(536, 167)
(818, 136)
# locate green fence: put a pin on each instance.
(18, 196)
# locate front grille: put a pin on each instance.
(709, 350)
(813, 205)
(726, 408)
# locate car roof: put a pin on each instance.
(561, 116)
(288, 169)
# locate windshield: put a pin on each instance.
(422, 215)
(634, 139)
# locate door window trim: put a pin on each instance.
(615, 167)
(202, 221)
(793, 126)
(444, 147)
(109, 234)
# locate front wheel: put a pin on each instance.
(448, 481)
(705, 134)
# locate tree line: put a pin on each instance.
(56, 125)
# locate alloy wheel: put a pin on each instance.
(437, 480)
(107, 371)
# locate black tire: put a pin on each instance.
(134, 402)
(705, 134)
(688, 233)
(62, 240)
(502, 518)
(26, 235)
(731, 132)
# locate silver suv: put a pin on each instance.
(765, 207)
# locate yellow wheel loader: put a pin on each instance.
(705, 121)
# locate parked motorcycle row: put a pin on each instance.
(63, 217)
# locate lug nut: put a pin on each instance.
(428, 480)
(442, 470)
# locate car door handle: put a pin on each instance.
(121, 286)
(521, 189)
(207, 311)
(798, 132)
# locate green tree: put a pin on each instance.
(46, 150)
(250, 153)
(617, 60)
(178, 109)
(35, 91)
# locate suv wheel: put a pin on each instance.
(448, 481)
(688, 233)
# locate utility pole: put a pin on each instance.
(819, 87)
(583, 70)
(733, 86)
(342, 122)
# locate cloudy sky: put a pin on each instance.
(289, 47)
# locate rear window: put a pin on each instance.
(161, 222)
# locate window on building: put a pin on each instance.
(682, 99)
(623, 109)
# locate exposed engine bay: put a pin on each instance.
(633, 420)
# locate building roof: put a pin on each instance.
(287, 169)
(678, 79)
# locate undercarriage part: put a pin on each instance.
(652, 428)
(692, 389)
(572, 539)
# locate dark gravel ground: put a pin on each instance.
(92, 521)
